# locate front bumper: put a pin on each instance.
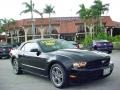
(4, 54)
(104, 48)
(91, 74)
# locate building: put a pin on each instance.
(61, 27)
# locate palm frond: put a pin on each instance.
(36, 11)
(49, 9)
(11, 21)
(27, 5)
(25, 11)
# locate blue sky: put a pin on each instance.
(63, 8)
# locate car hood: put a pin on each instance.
(77, 54)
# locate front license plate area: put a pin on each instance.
(106, 71)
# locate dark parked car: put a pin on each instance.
(60, 62)
(4, 50)
(102, 45)
(15, 45)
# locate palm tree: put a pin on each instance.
(5, 23)
(82, 14)
(30, 8)
(49, 9)
(98, 9)
(85, 16)
(93, 14)
(41, 15)
(1, 30)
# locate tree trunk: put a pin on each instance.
(49, 30)
(90, 28)
(100, 19)
(42, 32)
(33, 27)
(85, 29)
(93, 30)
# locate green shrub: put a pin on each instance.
(87, 41)
(116, 45)
(101, 35)
(114, 39)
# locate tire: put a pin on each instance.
(95, 48)
(109, 52)
(58, 76)
(16, 69)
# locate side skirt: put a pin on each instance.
(35, 73)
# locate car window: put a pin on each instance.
(29, 46)
(53, 45)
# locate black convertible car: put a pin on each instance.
(60, 61)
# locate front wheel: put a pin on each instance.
(16, 68)
(58, 76)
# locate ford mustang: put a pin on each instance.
(59, 61)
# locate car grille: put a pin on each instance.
(97, 64)
(4, 49)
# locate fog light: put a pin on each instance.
(73, 76)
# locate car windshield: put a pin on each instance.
(54, 44)
(5, 46)
(102, 42)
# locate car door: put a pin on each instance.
(31, 61)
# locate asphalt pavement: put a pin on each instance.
(26, 81)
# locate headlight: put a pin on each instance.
(111, 62)
(80, 64)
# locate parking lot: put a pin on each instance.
(10, 81)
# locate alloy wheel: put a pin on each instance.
(58, 76)
(15, 66)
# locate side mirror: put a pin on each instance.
(37, 51)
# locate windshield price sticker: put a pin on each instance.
(48, 42)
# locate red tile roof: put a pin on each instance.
(56, 20)
(116, 24)
(67, 27)
(67, 24)
(107, 21)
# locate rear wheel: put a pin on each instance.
(109, 52)
(16, 68)
(95, 48)
(58, 76)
